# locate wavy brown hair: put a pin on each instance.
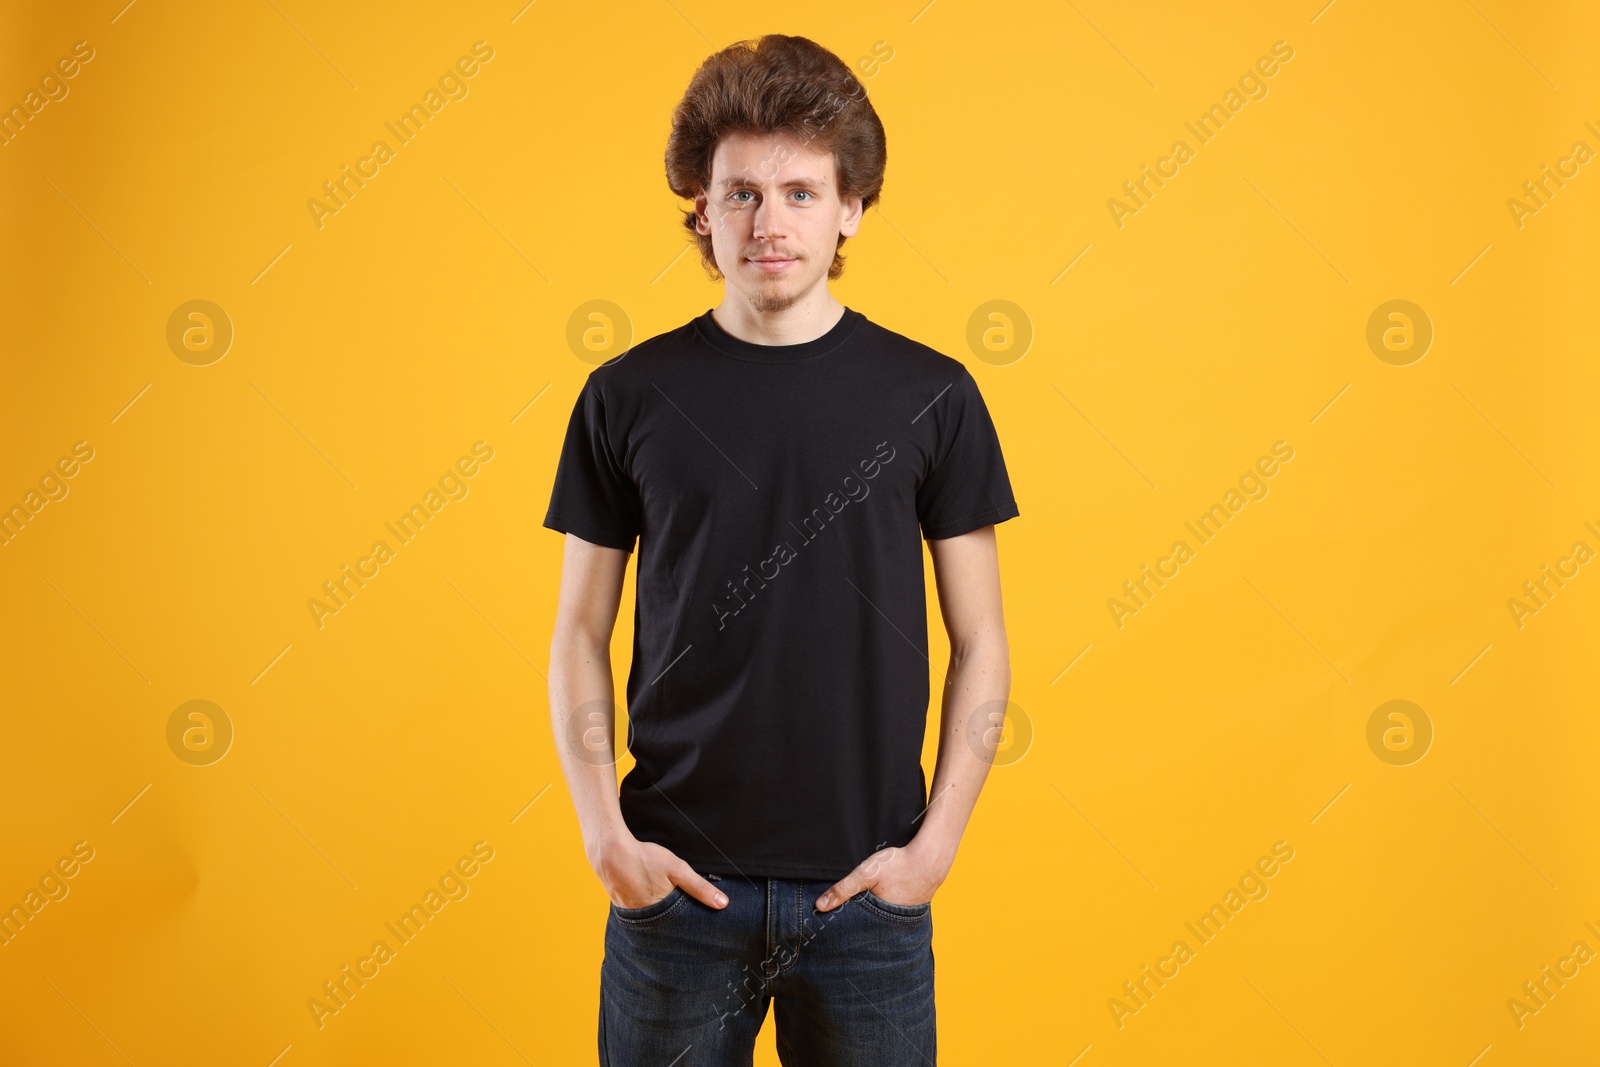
(772, 84)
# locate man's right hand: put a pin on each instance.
(638, 873)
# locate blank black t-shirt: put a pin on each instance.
(779, 494)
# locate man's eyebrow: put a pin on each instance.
(793, 183)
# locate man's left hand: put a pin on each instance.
(906, 876)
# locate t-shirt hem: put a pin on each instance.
(957, 527)
(734, 867)
(589, 534)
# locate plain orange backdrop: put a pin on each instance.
(1150, 765)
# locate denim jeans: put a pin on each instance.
(684, 984)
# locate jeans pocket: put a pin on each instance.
(660, 909)
(903, 913)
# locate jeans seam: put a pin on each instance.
(648, 919)
(794, 953)
(890, 916)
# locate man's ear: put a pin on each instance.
(702, 221)
(851, 223)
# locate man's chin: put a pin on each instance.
(775, 301)
(773, 293)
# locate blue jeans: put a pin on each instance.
(688, 985)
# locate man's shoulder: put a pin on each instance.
(908, 353)
(642, 357)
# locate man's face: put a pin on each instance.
(774, 215)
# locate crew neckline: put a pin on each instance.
(729, 345)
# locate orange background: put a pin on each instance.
(1164, 357)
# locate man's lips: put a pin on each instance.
(772, 266)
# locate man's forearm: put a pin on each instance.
(583, 718)
(975, 694)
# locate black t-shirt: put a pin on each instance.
(779, 690)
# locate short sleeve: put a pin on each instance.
(968, 486)
(593, 496)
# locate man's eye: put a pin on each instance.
(801, 192)
(741, 192)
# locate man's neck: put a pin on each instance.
(804, 320)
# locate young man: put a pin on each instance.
(779, 459)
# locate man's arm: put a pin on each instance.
(583, 718)
(967, 572)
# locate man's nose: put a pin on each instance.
(770, 220)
